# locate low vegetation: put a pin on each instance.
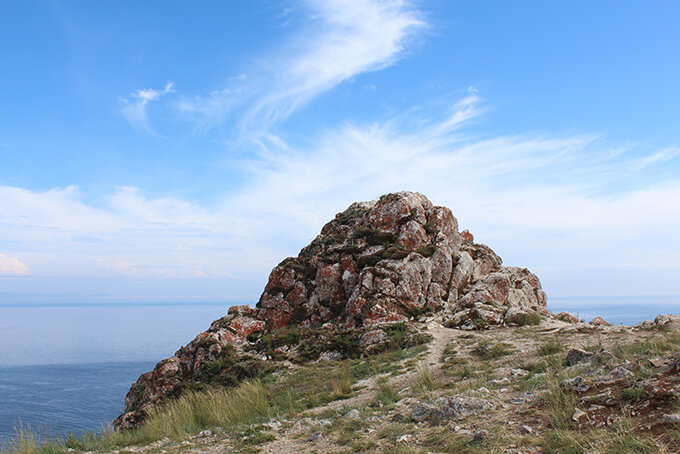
(365, 404)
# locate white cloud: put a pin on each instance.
(550, 203)
(342, 40)
(134, 107)
(11, 266)
(663, 155)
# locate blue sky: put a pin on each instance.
(175, 151)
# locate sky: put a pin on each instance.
(172, 151)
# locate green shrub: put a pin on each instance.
(550, 348)
(633, 394)
(529, 320)
(485, 350)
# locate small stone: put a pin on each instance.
(656, 362)
(579, 415)
(601, 397)
(460, 407)
(631, 366)
(645, 324)
(205, 433)
(272, 424)
(671, 418)
(398, 417)
(405, 438)
(577, 384)
(422, 412)
(480, 435)
(352, 414)
(313, 437)
(616, 375)
(599, 321)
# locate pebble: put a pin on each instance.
(480, 435)
(578, 415)
(671, 419)
(352, 414)
(405, 438)
(313, 437)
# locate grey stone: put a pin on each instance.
(422, 412)
(576, 356)
(459, 407)
(671, 418)
(617, 374)
(313, 437)
(352, 414)
(577, 384)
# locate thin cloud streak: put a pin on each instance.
(663, 155)
(344, 39)
(528, 197)
(134, 107)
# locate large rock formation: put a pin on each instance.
(373, 268)
(393, 258)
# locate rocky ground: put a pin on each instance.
(558, 386)
(394, 332)
(353, 291)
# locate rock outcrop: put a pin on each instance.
(391, 259)
(352, 291)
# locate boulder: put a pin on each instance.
(460, 407)
(576, 356)
(392, 259)
(668, 321)
(449, 408)
(599, 321)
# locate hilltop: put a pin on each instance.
(355, 290)
(393, 332)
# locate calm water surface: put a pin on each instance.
(67, 368)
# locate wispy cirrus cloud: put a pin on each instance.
(663, 155)
(541, 201)
(342, 39)
(134, 106)
(550, 202)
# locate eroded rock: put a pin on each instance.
(353, 291)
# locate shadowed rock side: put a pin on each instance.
(352, 291)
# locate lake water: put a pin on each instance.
(68, 367)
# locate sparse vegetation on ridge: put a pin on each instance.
(369, 404)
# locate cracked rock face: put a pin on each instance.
(350, 292)
(391, 259)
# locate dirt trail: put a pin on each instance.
(368, 387)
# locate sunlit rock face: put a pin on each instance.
(353, 291)
(393, 258)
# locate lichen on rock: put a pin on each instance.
(352, 291)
